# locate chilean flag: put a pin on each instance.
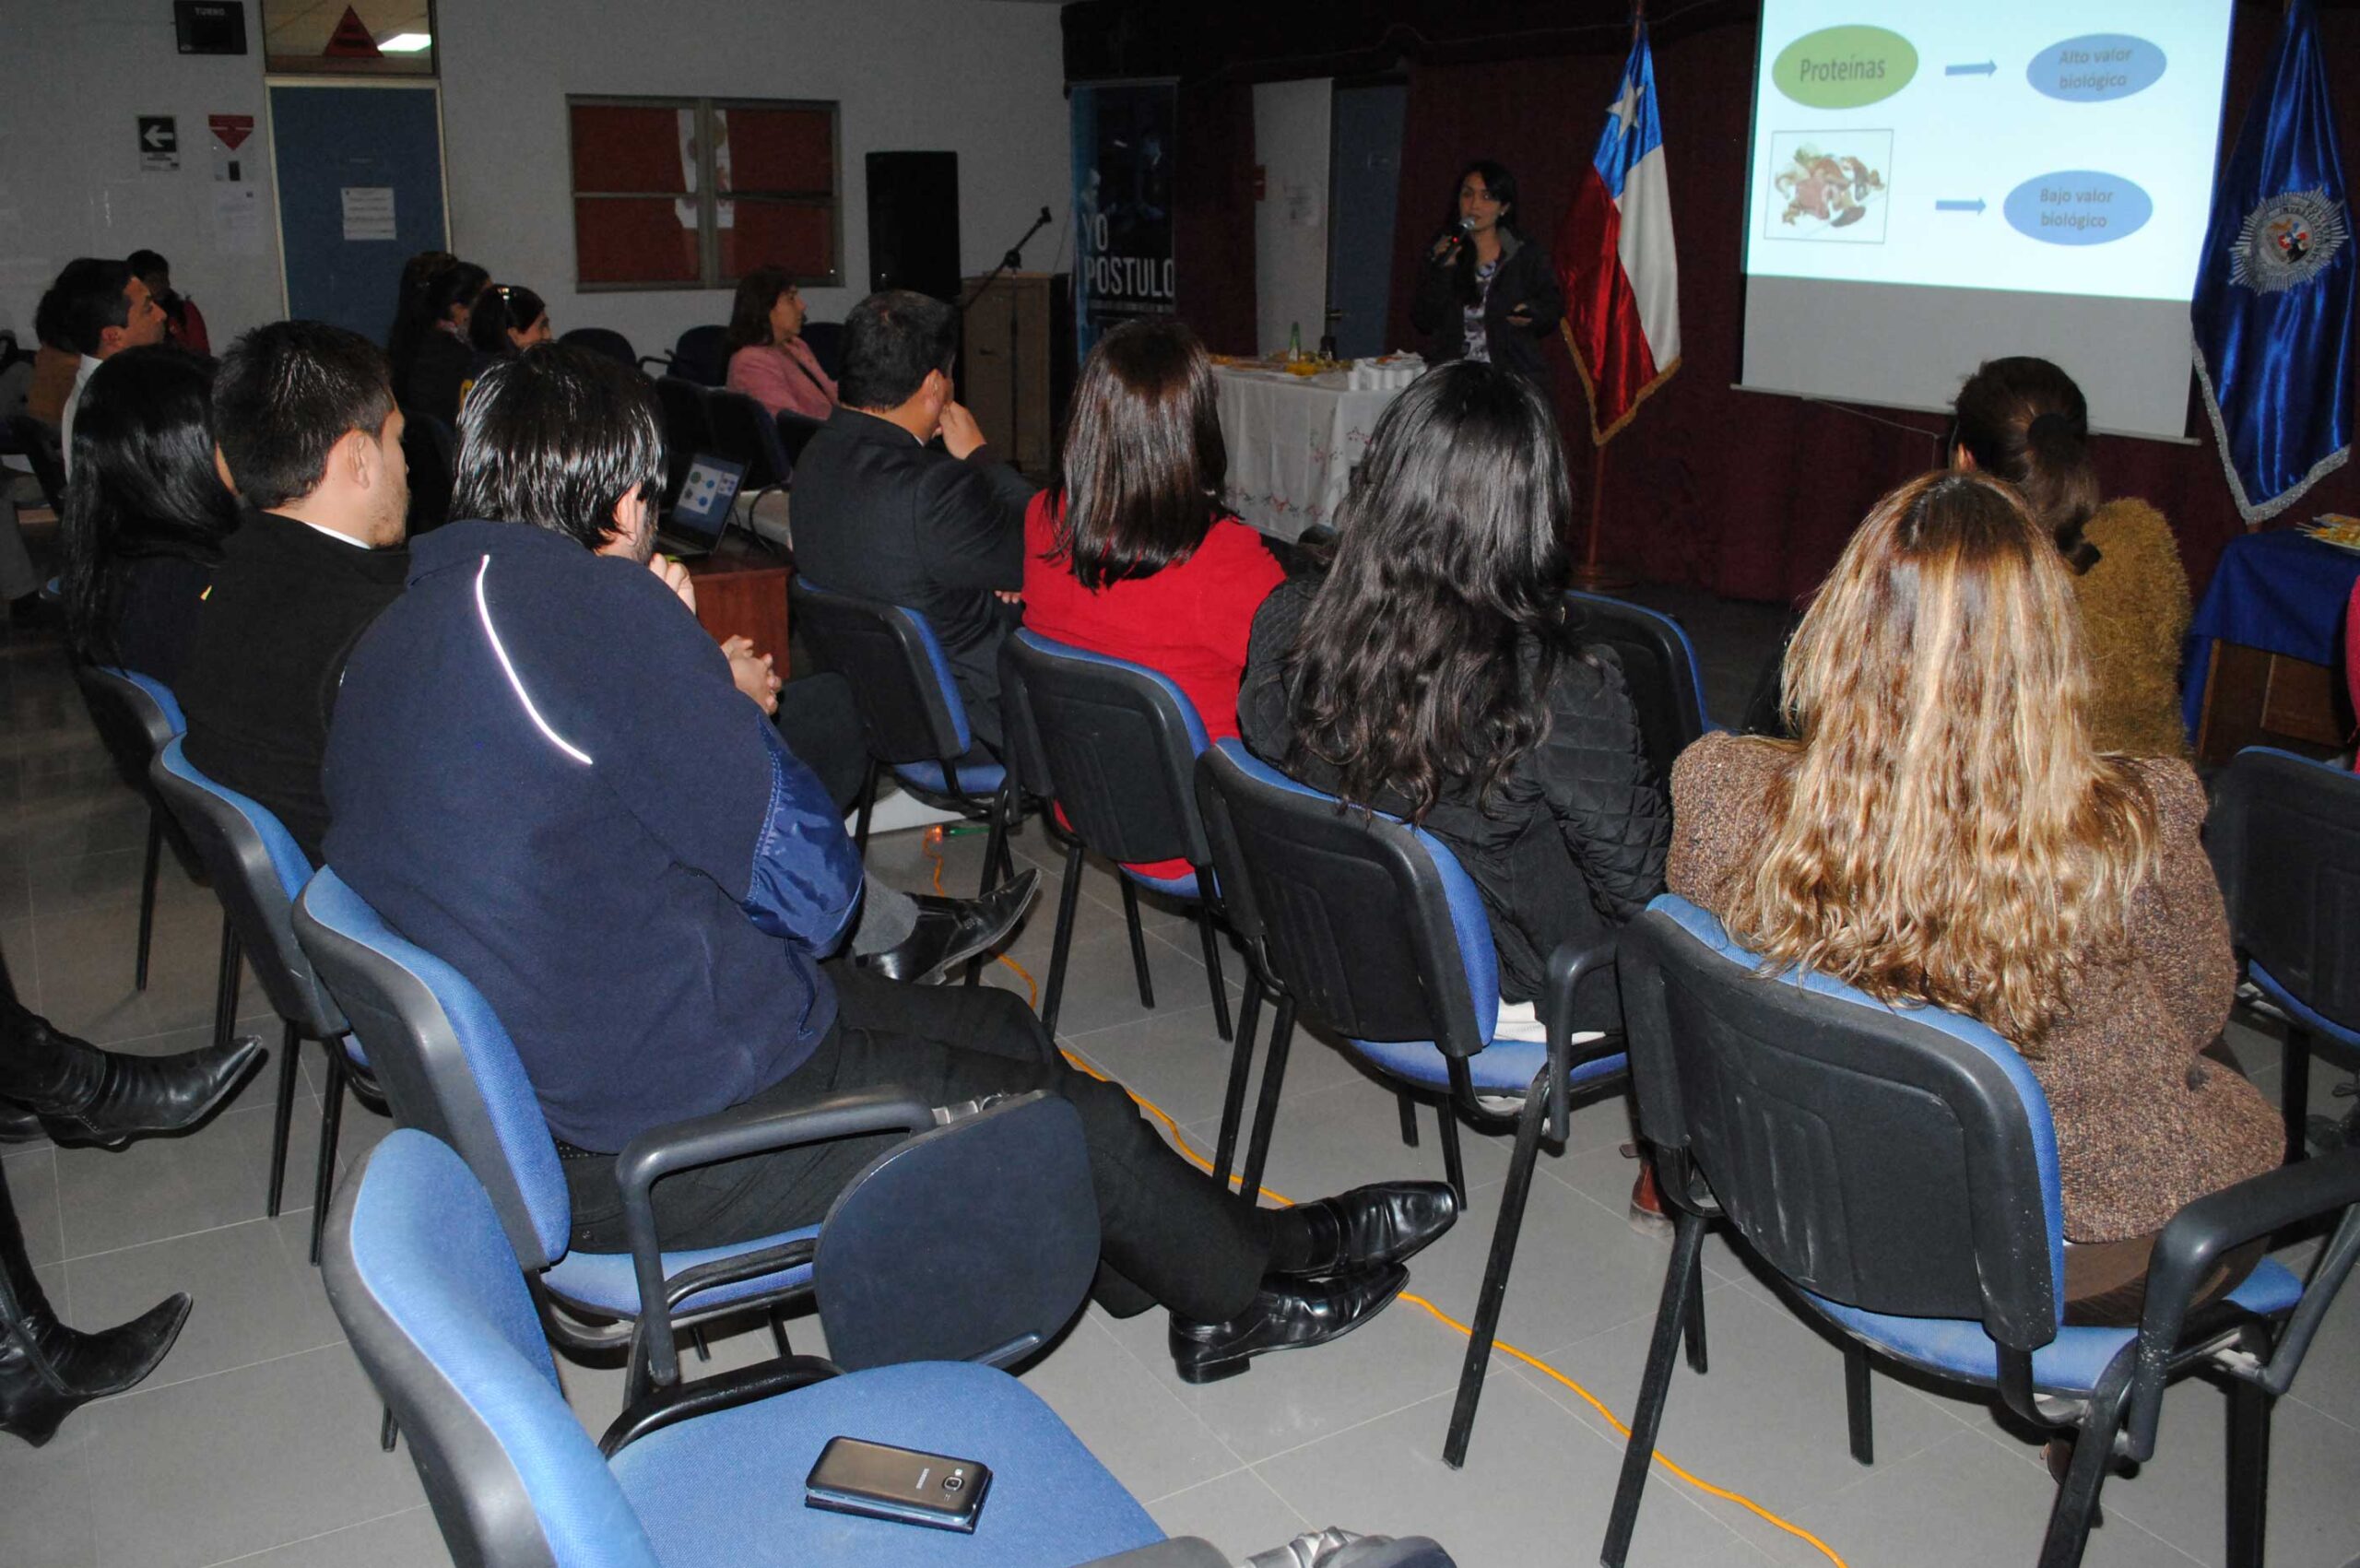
(1614, 258)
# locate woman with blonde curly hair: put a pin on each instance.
(1945, 832)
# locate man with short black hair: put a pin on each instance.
(103, 309)
(879, 513)
(307, 430)
(539, 776)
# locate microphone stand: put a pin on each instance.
(1013, 259)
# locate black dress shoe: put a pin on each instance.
(1285, 1315)
(18, 1125)
(1383, 1222)
(949, 930)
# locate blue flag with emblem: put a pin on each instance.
(2272, 311)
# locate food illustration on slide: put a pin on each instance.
(1831, 185)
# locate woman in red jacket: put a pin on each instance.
(1131, 553)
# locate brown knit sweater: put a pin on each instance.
(2144, 1125)
(2134, 615)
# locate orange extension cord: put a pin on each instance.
(1188, 1151)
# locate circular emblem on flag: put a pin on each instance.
(2286, 240)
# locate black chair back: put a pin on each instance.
(604, 341)
(1658, 667)
(433, 453)
(826, 341)
(1112, 743)
(1874, 1159)
(2285, 836)
(895, 668)
(256, 869)
(133, 727)
(688, 429)
(794, 433)
(1351, 913)
(701, 355)
(38, 441)
(744, 433)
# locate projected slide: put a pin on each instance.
(2060, 148)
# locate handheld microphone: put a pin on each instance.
(1466, 225)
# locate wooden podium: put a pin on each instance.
(1015, 362)
(741, 591)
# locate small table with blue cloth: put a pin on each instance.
(2264, 658)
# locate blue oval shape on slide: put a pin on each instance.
(2096, 68)
(2077, 206)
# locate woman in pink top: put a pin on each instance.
(1130, 552)
(769, 361)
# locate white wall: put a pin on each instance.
(983, 79)
(76, 77)
(1293, 122)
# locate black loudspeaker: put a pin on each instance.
(914, 222)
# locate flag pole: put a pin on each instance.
(1589, 576)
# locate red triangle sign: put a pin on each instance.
(233, 129)
(351, 40)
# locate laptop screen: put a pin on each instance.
(702, 511)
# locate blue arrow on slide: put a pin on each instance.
(1985, 69)
(1974, 205)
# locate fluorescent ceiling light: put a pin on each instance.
(407, 43)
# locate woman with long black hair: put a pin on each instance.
(1430, 676)
(1486, 292)
(146, 513)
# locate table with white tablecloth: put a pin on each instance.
(1292, 442)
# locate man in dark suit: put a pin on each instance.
(878, 513)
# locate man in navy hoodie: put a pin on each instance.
(540, 773)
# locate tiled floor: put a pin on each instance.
(256, 1441)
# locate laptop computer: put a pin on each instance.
(699, 518)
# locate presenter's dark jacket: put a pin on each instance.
(880, 515)
(287, 605)
(1572, 843)
(542, 774)
(1525, 277)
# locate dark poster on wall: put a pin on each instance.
(1122, 205)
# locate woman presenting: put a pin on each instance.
(1486, 292)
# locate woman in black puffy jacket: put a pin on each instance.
(1429, 675)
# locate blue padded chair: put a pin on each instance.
(794, 433)
(701, 355)
(687, 429)
(449, 1068)
(421, 1275)
(2285, 836)
(1374, 929)
(604, 341)
(256, 871)
(136, 716)
(744, 431)
(910, 713)
(1898, 1170)
(1115, 744)
(1660, 669)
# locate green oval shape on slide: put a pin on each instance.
(1844, 67)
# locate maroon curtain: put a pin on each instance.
(1752, 494)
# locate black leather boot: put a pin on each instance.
(84, 1095)
(1286, 1314)
(47, 1369)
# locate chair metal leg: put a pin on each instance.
(1495, 1272)
(389, 1430)
(2076, 1508)
(1687, 1248)
(331, 1124)
(868, 808)
(289, 1045)
(1408, 1103)
(1695, 1330)
(225, 992)
(1266, 1114)
(148, 896)
(1212, 969)
(995, 858)
(696, 1338)
(2249, 1408)
(2295, 1089)
(1068, 897)
(1858, 1412)
(1454, 1163)
(1241, 1066)
(1138, 939)
(778, 1334)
